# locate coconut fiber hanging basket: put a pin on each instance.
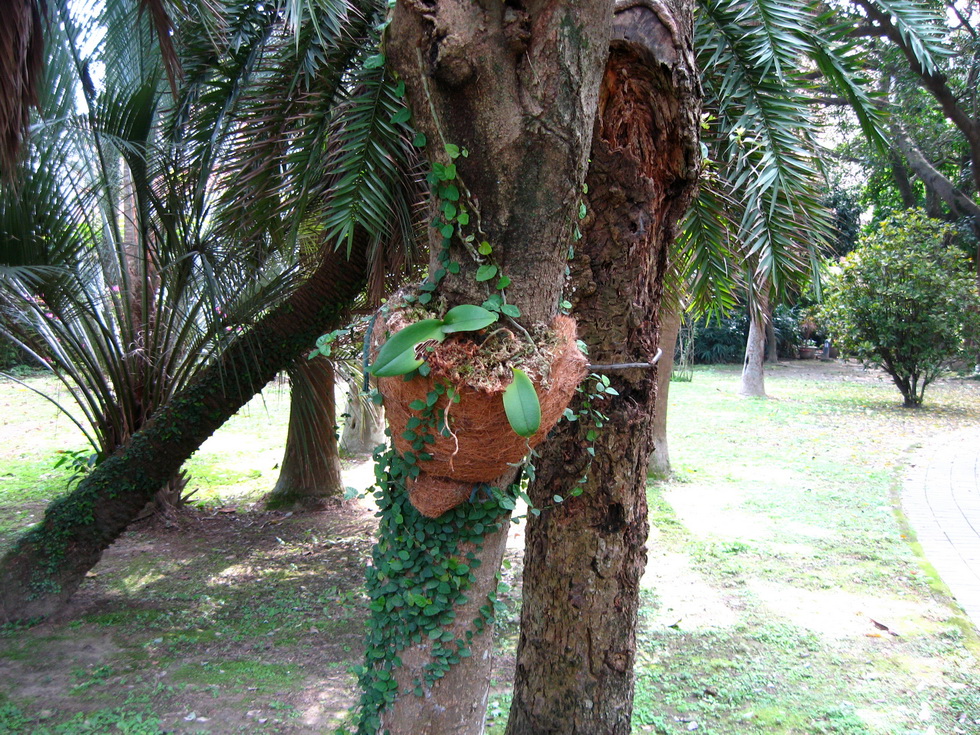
(482, 445)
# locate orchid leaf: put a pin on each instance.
(521, 405)
(397, 355)
(467, 318)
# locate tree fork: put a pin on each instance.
(47, 564)
(585, 556)
(516, 85)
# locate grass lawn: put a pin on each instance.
(782, 595)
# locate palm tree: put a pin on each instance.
(183, 217)
(232, 194)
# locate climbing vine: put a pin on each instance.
(420, 571)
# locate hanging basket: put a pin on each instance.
(482, 445)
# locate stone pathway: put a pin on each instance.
(941, 499)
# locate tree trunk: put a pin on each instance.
(46, 565)
(516, 86)
(585, 556)
(900, 175)
(457, 702)
(753, 382)
(670, 326)
(364, 428)
(772, 351)
(937, 184)
(310, 472)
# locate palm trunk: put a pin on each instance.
(585, 556)
(310, 474)
(753, 382)
(364, 428)
(46, 565)
(670, 326)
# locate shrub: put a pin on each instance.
(786, 325)
(904, 300)
(721, 339)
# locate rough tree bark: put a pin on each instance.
(310, 473)
(753, 383)
(46, 565)
(516, 84)
(585, 556)
(670, 326)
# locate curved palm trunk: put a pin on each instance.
(310, 472)
(584, 557)
(46, 565)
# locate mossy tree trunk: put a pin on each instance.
(585, 556)
(516, 85)
(46, 564)
(310, 473)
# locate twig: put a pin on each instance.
(629, 365)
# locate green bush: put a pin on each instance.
(722, 339)
(904, 300)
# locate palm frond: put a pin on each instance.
(370, 151)
(704, 260)
(762, 137)
(920, 26)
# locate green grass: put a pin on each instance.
(784, 513)
(775, 543)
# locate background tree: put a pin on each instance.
(927, 60)
(310, 472)
(904, 301)
(110, 261)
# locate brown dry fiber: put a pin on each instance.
(484, 444)
(433, 496)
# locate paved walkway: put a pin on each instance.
(941, 499)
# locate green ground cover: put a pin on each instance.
(777, 546)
